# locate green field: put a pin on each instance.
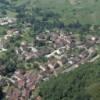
(85, 11)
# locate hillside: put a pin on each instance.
(85, 11)
(81, 84)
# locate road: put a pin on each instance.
(71, 68)
(92, 60)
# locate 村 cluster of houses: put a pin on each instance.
(22, 85)
(58, 46)
(7, 20)
(59, 50)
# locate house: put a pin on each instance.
(38, 98)
(25, 83)
(25, 94)
(27, 52)
(91, 50)
(54, 64)
(13, 93)
(53, 36)
(59, 63)
(77, 60)
(6, 21)
(41, 37)
(44, 51)
(70, 62)
(93, 38)
(30, 55)
(62, 41)
(64, 60)
(84, 54)
(19, 79)
(50, 66)
(42, 68)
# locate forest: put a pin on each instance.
(81, 84)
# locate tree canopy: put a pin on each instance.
(81, 84)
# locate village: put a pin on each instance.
(63, 51)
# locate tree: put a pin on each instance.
(80, 84)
